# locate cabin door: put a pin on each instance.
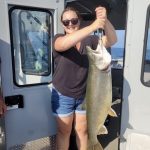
(26, 32)
(135, 122)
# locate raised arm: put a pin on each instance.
(67, 41)
(110, 37)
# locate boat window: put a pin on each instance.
(31, 32)
(117, 50)
(146, 57)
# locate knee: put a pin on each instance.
(81, 130)
(64, 131)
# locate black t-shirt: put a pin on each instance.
(71, 68)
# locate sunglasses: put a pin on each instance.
(73, 21)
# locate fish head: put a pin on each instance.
(99, 57)
(93, 55)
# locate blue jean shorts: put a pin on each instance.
(64, 106)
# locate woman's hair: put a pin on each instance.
(70, 9)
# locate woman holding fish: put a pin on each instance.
(71, 70)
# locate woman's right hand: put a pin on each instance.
(98, 24)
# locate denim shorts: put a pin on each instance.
(64, 106)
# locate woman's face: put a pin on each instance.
(70, 21)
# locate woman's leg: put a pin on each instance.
(63, 109)
(81, 131)
(64, 130)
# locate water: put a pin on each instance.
(117, 53)
(117, 50)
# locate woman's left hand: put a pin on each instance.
(101, 14)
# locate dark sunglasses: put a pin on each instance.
(73, 21)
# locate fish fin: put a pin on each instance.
(97, 146)
(103, 130)
(118, 101)
(112, 113)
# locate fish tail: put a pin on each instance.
(97, 146)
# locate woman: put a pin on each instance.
(71, 67)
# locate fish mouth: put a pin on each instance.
(94, 56)
(90, 50)
(93, 53)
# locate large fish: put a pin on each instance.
(98, 98)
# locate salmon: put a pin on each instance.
(98, 97)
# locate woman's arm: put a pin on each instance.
(110, 36)
(67, 41)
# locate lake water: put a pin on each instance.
(117, 50)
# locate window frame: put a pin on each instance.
(147, 28)
(50, 61)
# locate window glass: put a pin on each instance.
(117, 50)
(31, 38)
(147, 61)
(146, 68)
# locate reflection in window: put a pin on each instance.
(31, 40)
(146, 77)
(34, 40)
